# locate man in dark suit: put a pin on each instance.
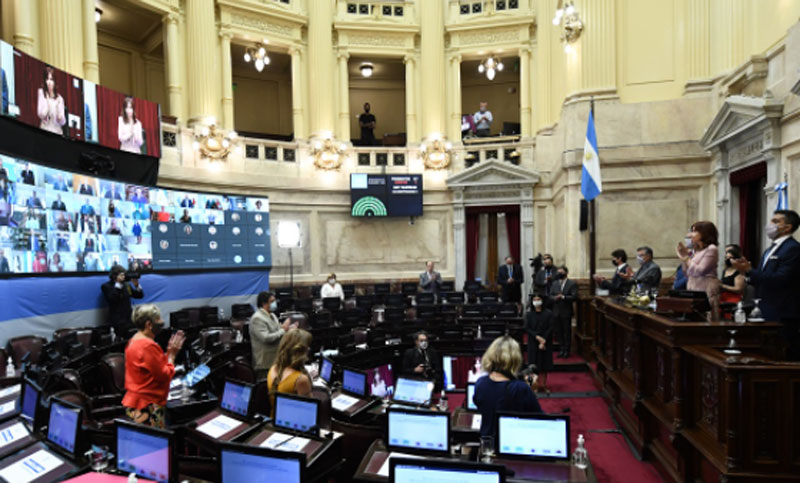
(4, 267)
(620, 284)
(510, 278)
(544, 277)
(58, 204)
(27, 175)
(430, 279)
(649, 274)
(118, 295)
(422, 361)
(563, 294)
(777, 278)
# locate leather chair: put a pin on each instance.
(260, 398)
(324, 407)
(299, 318)
(84, 335)
(63, 380)
(98, 423)
(356, 441)
(242, 371)
(360, 336)
(19, 346)
(226, 335)
(112, 373)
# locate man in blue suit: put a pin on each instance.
(777, 278)
(510, 278)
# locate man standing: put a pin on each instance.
(510, 278)
(27, 175)
(777, 278)
(649, 274)
(265, 333)
(430, 280)
(118, 295)
(4, 268)
(544, 277)
(563, 294)
(367, 122)
(422, 361)
(483, 120)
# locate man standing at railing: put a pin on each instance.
(483, 120)
(367, 122)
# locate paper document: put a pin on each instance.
(219, 426)
(11, 390)
(343, 402)
(34, 466)
(476, 421)
(13, 433)
(384, 471)
(285, 442)
(8, 407)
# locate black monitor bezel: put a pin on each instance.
(366, 388)
(446, 463)
(518, 415)
(262, 452)
(26, 381)
(466, 397)
(249, 402)
(161, 433)
(420, 412)
(420, 379)
(76, 452)
(322, 360)
(314, 401)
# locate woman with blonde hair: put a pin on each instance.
(501, 390)
(288, 373)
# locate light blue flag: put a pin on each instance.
(783, 196)
(591, 184)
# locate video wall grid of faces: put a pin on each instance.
(57, 221)
(53, 100)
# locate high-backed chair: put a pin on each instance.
(324, 407)
(299, 318)
(226, 334)
(355, 443)
(112, 373)
(19, 346)
(260, 398)
(242, 371)
(63, 380)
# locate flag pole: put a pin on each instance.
(592, 231)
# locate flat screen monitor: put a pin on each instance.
(30, 400)
(378, 195)
(326, 370)
(63, 425)
(354, 382)
(404, 470)
(238, 463)
(381, 381)
(414, 391)
(331, 303)
(533, 436)
(297, 413)
(460, 370)
(470, 396)
(145, 451)
(236, 397)
(418, 431)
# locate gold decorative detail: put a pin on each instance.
(327, 153)
(570, 21)
(261, 24)
(436, 154)
(489, 37)
(212, 143)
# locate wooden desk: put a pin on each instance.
(208, 443)
(323, 455)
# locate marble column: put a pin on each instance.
(91, 63)
(525, 91)
(460, 237)
(227, 80)
(321, 96)
(526, 235)
(298, 120)
(62, 46)
(454, 126)
(432, 67)
(343, 132)
(24, 27)
(201, 59)
(412, 134)
(172, 66)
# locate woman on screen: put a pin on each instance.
(50, 107)
(378, 385)
(56, 265)
(288, 373)
(130, 128)
(40, 262)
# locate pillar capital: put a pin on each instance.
(343, 54)
(455, 58)
(226, 35)
(525, 50)
(295, 51)
(409, 59)
(170, 18)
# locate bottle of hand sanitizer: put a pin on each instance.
(580, 458)
(739, 316)
(10, 370)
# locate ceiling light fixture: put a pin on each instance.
(490, 66)
(98, 13)
(258, 55)
(366, 69)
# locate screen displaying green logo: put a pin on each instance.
(369, 206)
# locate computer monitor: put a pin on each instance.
(297, 413)
(331, 303)
(31, 395)
(394, 300)
(145, 450)
(417, 431)
(238, 463)
(414, 391)
(326, 370)
(236, 397)
(533, 436)
(470, 395)
(424, 298)
(447, 286)
(354, 382)
(63, 426)
(454, 298)
(406, 470)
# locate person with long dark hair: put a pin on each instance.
(50, 106)
(129, 128)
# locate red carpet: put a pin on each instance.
(570, 382)
(572, 359)
(612, 460)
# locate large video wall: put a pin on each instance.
(40, 95)
(57, 221)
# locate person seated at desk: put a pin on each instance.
(148, 370)
(501, 390)
(539, 327)
(265, 333)
(620, 284)
(332, 288)
(288, 374)
(732, 281)
(421, 360)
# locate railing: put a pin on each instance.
(269, 150)
(379, 8)
(504, 148)
(475, 7)
(379, 156)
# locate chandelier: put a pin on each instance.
(213, 143)
(572, 25)
(258, 55)
(490, 66)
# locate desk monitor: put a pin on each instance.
(454, 298)
(381, 288)
(331, 303)
(31, 395)
(236, 397)
(417, 431)
(413, 391)
(297, 413)
(354, 382)
(63, 426)
(471, 394)
(394, 300)
(408, 288)
(238, 463)
(145, 450)
(406, 470)
(541, 436)
(326, 370)
(424, 298)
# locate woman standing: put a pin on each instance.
(539, 327)
(148, 370)
(699, 255)
(732, 282)
(50, 105)
(332, 288)
(129, 128)
(288, 374)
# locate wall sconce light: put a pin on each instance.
(490, 66)
(572, 26)
(98, 14)
(366, 69)
(327, 153)
(258, 55)
(436, 154)
(213, 143)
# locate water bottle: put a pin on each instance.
(113, 335)
(443, 401)
(479, 331)
(580, 458)
(221, 314)
(739, 316)
(239, 337)
(10, 371)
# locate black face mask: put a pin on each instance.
(728, 262)
(157, 328)
(615, 263)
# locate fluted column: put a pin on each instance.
(598, 46)
(91, 64)
(412, 135)
(525, 91)
(61, 46)
(24, 23)
(227, 79)
(298, 120)
(201, 59)
(432, 67)
(343, 132)
(454, 126)
(173, 67)
(542, 69)
(320, 58)
(698, 39)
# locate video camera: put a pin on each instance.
(526, 373)
(132, 275)
(536, 263)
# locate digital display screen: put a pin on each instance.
(413, 391)
(142, 453)
(63, 426)
(239, 467)
(54, 221)
(419, 473)
(461, 370)
(295, 414)
(326, 370)
(419, 431)
(385, 195)
(30, 400)
(236, 398)
(381, 381)
(530, 436)
(354, 382)
(470, 396)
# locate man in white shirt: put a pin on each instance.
(332, 288)
(483, 120)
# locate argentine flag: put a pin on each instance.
(591, 185)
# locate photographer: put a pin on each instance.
(504, 389)
(422, 361)
(118, 294)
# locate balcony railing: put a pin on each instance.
(380, 8)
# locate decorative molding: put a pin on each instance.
(261, 23)
(377, 39)
(488, 36)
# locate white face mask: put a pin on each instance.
(332, 281)
(423, 345)
(640, 259)
(772, 231)
(688, 242)
(537, 303)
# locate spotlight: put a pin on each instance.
(366, 69)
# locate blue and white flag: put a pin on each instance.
(783, 196)
(591, 184)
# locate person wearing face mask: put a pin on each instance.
(266, 333)
(776, 277)
(563, 295)
(699, 256)
(510, 278)
(539, 327)
(623, 274)
(421, 360)
(649, 274)
(148, 369)
(118, 294)
(483, 120)
(732, 281)
(332, 288)
(544, 277)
